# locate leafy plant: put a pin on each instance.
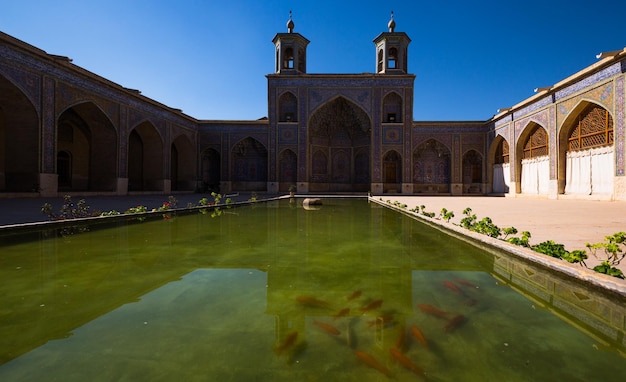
(253, 197)
(446, 215)
(576, 256)
(68, 210)
(613, 254)
(551, 248)
(521, 241)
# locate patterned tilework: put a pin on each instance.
(602, 95)
(287, 135)
(504, 132)
(48, 135)
(28, 83)
(457, 163)
(619, 126)
(376, 138)
(361, 97)
(552, 131)
(541, 118)
(589, 81)
(302, 157)
(123, 141)
(392, 135)
(532, 107)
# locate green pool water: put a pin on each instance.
(275, 292)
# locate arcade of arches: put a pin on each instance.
(66, 130)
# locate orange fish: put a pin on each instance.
(401, 341)
(429, 309)
(327, 328)
(455, 322)
(452, 287)
(312, 302)
(419, 336)
(372, 362)
(342, 313)
(466, 283)
(405, 361)
(289, 341)
(355, 294)
(372, 305)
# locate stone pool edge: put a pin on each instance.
(578, 272)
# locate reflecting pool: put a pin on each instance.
(351, 291)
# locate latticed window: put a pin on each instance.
(593, 128)
(537, 143)
(502, 152)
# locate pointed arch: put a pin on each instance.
(586, 151)
(287, 169)
(532, 160)
(431, 167)
(19, 147)
(249, 161)
(288, 108)
(145, 158)
(392, 171)
(392, 108)
(211, 165)
(501, 169)
(89, 136)
(339, 130)
(182, 164)
(472, 172)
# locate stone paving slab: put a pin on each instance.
(570, 222)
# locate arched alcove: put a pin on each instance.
(87, 134)
(472, 168)
(145, 159)
(533, 162)
(249, 161)
(586, 151)
(19, 140)
(339, 134)
(501, 167)
(431, 167)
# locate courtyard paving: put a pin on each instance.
(571, 222)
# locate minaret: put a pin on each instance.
(392, 50)
(290, 51)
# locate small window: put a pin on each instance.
(288, 59)
(393, 57)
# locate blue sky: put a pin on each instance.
(209, 58)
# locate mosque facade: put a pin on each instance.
(65, 130)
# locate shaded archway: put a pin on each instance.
(339, 134)
(431, 167)
(19, 140)
(145, 159)
(288, 108)
(586, 151)
(249, 161)
(501, 169)
(89, 137)
(287, 169)
(392, 108)
(533, 161)
(472, 172)
(211, 165)
(392, 172)
(182, 165)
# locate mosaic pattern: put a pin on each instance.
(392, 135)
(587, 82)
(619, 126)
(602, 95)
(48, 127)
(287, 135)
(28, 83)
